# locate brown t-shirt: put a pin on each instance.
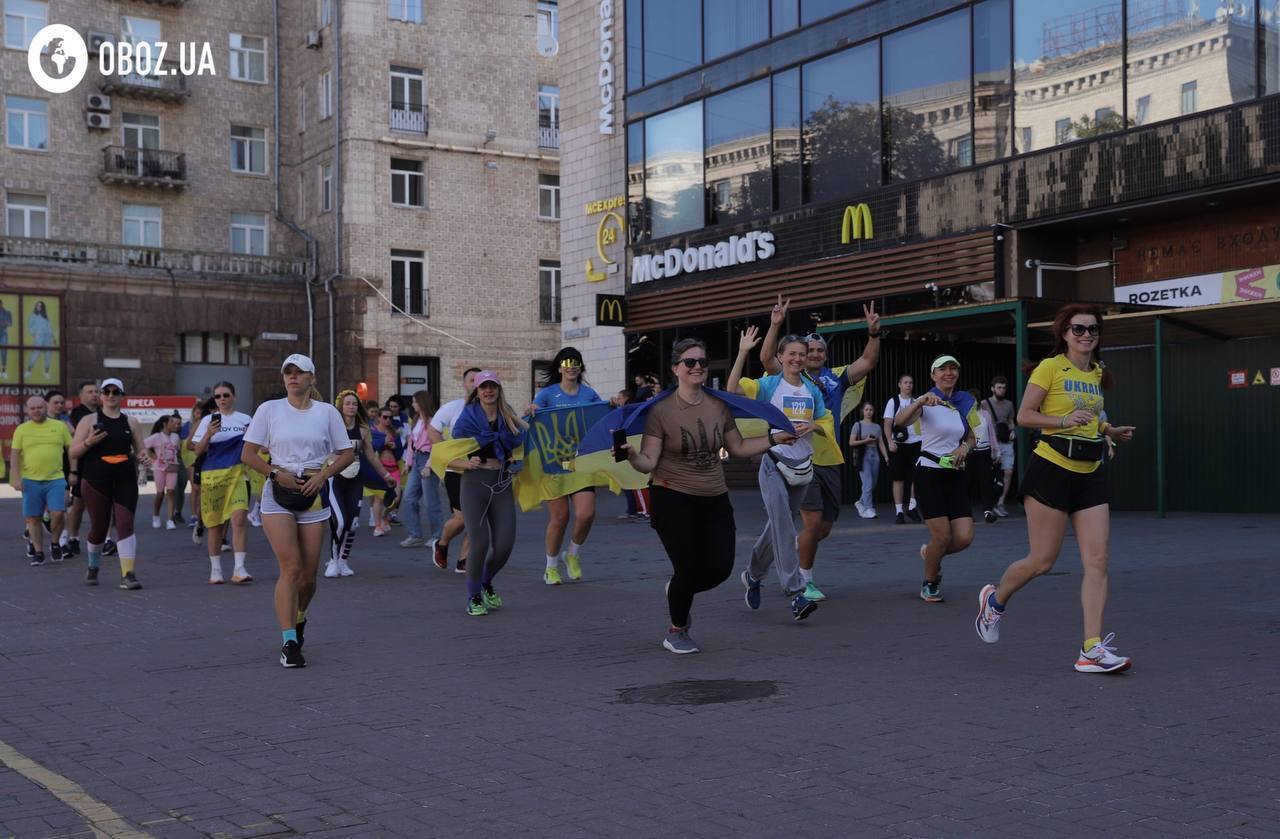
(692, 437)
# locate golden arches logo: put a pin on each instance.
(609, 311)
(609, 232)
(856, 224)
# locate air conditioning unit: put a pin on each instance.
(99, 121)
(96, 40)
(313, 39)
(98, 102)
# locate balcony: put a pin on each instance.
(548, 136)
(143, 167)
(139, 86)
(409, 117)
(95, 257)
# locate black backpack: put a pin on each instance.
(899, 433)
(1002, 428)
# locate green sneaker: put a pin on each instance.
(491, 599)
(573, 563)
(552, 577)
(476, 607)
(811, 592)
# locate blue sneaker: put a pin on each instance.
(802, 607)
(753, 590)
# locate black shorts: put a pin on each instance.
(942, 493)
(1062, 489)
(453, 488)
(823, 492)
(903, 461)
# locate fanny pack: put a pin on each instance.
(352, 469)
(294, 500)
(938, 460)
(1074, 448)
(797, 472)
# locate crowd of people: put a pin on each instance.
(300, 465)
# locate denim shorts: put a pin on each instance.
(37, 496)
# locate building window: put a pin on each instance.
(1142, 111)
(1062, 130)
(26, 216)
(302, 194)
(215, 348)
(324, 12)
(673, 170)
(549, 291)
(26, 123)
(926, 102)
(548, 196)
(249, 233)
(409, 11)
(326, 187)
(1189, 97)
(548, 116)
(140, 131)
(409, 282)
(840, 106)
(22, 20)
(960, 150)
(248, 150)
(302, 109)
(548, 28)
(143, 226)
(730, 25)
(992, 82)
(1026, 140)
(737, 157)
(326, 94)
(408, 100)
(408, 183)
(675, 38)
(811, 10)
(143, 30)
(248, 58)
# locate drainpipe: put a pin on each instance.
(337, 192)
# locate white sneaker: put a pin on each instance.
(331, 570)
(867, 512)
(344, 569)
(255, 516)
(862, 511)
(988, 621)
(410, 542)
(155, 522)
(1001, 511)
(1102, 658)
(169, 525)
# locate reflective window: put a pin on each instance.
(26, 123)
(637, 216)
(1067, 62)
(992, 81)
(786, 15)
(926, 103)
(811, 10)
(674, 42)
(788, 183)
(673, 170)
(739, 182)
(841, 110)
(1207, 45)
(730, 25)
(1270, 50)
(635, 44)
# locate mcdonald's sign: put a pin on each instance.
(611, 310)
(856, 224)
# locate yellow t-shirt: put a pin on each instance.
(1067, 389)
(41, 444)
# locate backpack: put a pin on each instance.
(1002, 428)
(899, 433)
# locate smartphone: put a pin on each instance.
(99, 427)
(215, 417)
(619, 440)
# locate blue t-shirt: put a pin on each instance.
(833, 384)
(552, 396)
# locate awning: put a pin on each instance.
(1222, 322)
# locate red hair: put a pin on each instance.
(1062, 322)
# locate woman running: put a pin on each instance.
(421, 485)
(162, 447)
(224, 495)
(308, 445)
(683, 435)
(947, 418)
(567, 388)
(1063, 482)
(384, 462)
(488, 504)
(108, 448)
(343, 490)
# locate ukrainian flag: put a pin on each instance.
(223, 484)
(825, 440)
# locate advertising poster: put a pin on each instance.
(42, 338)
(10, 339)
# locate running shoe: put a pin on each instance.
(931, 592)
(812, 592)
(155, 522)
(179, 520)
(192, 522)
(109, 548)
(868, 513)
(461, 567)
(753, 590)
(393, 519)
(988, 621)
(255, 516)
(31, 549)
(491, 599)
(989, 516)
(411, 542)
(216, 579)
(241, 579)
(36, 558)
(1102, 658)
(551, 576)
(378, 532)
(169, 525)
(802, 607)
(226, 546)
(476, 607)
(679, 642)
(331, 569)
(73, 545)
(291, 655)
(574, 566)
(300, 627)
(914, 515)
(899, 518)
(91, 576)
(197, 534)
(1001, 511)
(862, 511)
(55, 552)
(344, 570)
(440, 556)
(130, 583)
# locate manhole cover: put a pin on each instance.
(697, 692)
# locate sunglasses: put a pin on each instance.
(222, 396)
(1078, 329)
(691, 363)
(384, 416)
(112, 391)
(571, 362)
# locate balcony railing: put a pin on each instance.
(144, 167)
(548, 136)
(139, 86)
(407, 116)
(133, 257)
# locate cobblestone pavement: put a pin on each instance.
(163, 712)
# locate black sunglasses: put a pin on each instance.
(694, 362)
(384, 416)
(222, 396)
(1078, 329)
(113, 391)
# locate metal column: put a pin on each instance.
(1160, 500)
(1020, 380)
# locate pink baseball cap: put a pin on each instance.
(486, 376)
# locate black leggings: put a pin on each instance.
(115, 494)
(698, 533)
(343, 497)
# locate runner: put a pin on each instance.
(108, 449)
(567, 388)
(683, 435)
(820, 507)
(162, 447)
(440, 428)
(343, 490)
(488, 504)
(224, 485)
(188, 457)
(1002, 410)
(947, 417)
(88, 403)
(421, 484)
(36, 461)
(382, 494)
(308, 444)
(904, 451)
(1063, 482)
(787, 469)
(982, 460)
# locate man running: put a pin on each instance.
(35, 470)
(1002, 410)
(821, 504)
(440, 429)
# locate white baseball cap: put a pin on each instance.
(300, 361)
(109, 382)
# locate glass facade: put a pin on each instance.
(841, 131)
(673, 42)
(738, 160)
(992, 81)
(673, 171)
(730, 25)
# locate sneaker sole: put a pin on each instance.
(671, 648)
(747, 597)
(1094, 668)
(289, 666)
(982, 610)
(927, 599)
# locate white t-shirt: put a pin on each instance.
(298, 440)
(943, 429)
(225, 446)
(797, 403)
(985, 433)
(445, 418)
(913, 430)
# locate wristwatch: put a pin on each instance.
(275, 472)
(771, 442)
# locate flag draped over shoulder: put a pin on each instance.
(224, 485)
(825, 439)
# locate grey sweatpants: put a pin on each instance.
(490, 517)
(777, 543)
